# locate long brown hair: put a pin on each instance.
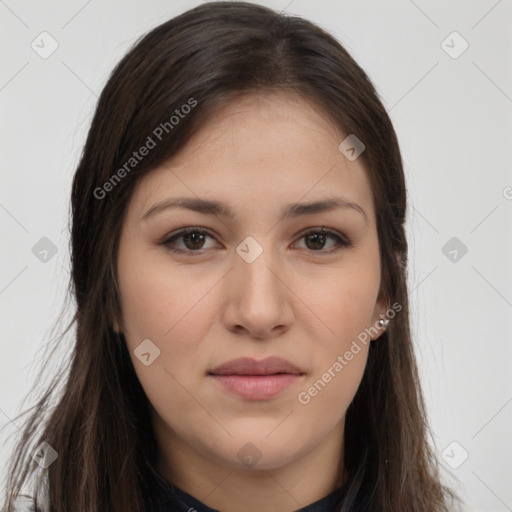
(99, 423)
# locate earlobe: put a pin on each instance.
(381, 319)
(383, 323)
(115, 326)
(379, 327)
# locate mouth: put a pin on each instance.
(256, 380)
(272, 365)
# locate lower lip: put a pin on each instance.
(257, 387)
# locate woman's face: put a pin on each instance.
(261, 282)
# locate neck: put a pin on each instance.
(287, 487)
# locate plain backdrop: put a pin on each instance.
(444, 73)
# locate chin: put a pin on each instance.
(253, 451)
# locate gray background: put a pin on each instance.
(453, 117)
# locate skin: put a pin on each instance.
(295, 300)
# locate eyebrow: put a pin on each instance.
(212, 207)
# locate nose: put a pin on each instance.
(258, 299)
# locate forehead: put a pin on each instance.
(285, 121)
(260, 150)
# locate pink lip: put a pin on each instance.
(256, 380)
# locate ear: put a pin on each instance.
(116, 326)
(381, 307)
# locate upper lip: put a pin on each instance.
(248, 366)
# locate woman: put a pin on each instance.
(239, 269)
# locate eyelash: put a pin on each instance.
(342, 242)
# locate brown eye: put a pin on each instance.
(315, 241)
(193, 240)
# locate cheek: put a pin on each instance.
(344, 301)
(332, 389)
(159, 303)
(345, 304)
(340, 355)
(167, 305)
(155, 295)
